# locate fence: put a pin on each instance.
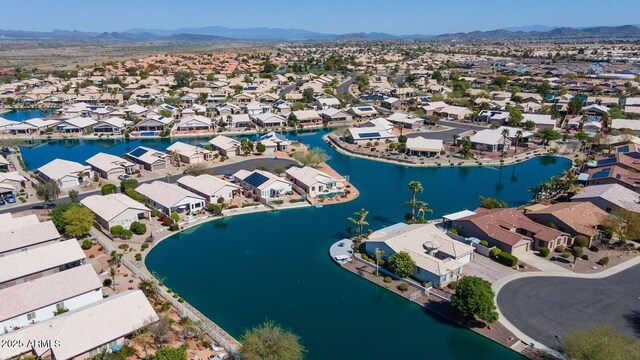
(214, 331)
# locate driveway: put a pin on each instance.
(546, 307)
(230, 168)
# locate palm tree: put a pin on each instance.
(455, 138)
(112, 274)
(423, 209)
(379, 254)
(519, 134)
(505, 135)
(415, 187)
(359, 220)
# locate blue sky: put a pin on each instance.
(328, 16)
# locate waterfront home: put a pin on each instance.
(575, 218)
(632, 125)
(24, 266)
(591, 125)
(31, 126)
(237, 121)
(78, 125)
(4, 124)
(274, 142)
(65, 173)
(363, 112)
(332, 115)
(313, 182)
(225, 146)
(263, 184)
(41, 299)
(438, 258)
(542, 121)
(115, 209)
(610, 197)
(170, 198)
(365, 135)
(19, 235)
(509, 230)
(189, 154)
(512, 136)
(150, 159)
(154, 124)
(487, 140)
(110, 167)
(615, 174)
(195, 123)
(103, 325)
(269, 120)
(211, 188)
(307, 117)
(113, 125)
(405, 121)
(377, 124)
(424, 147)
(11, 182)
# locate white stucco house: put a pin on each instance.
(110, 166)
(313, 182)
(170, 198)
(65, 173)
(115, 209)
(210, 187)
(263, 184)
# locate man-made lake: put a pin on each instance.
(26, 114)
(243, 270)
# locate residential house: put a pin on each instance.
(269, 119)
(313, 182)
(82, 125)
(149, 159)
(31, 126)
(488, 140)
(364, 135)
(65, 173)
(328, 102)
(24, 266)
(195, 123)
(424, 147)
(509, 230)
(256, 107)
(363, 112)
(170, 198)
(11, 182)
(457, 113)
(610, 197)
(629, 124)
(438, 258)
(41, 299)
(189, 154)
(211, 188)
(576, 218)
(153, 124)
(110, 167)
(262, 184)
(274, 142)
(225, 146)
(20, 235)
(115, 209)
(307, 117)
(332, 115)
(101, 333)
(112, 125)
(238, 121)
(542, 121)
(493, 117)
(405, 121)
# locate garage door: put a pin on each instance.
(517, 251)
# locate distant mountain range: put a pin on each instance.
(224, 34)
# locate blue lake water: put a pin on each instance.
(22, 115)
(243, 270)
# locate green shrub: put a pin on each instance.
(135, 195)
(128, 184)
(277, 202)
(403, 287)
(144, 246)
(560, 248)
(174, 227)
(507, 259)
(387, 279)
(138, 228)
(594, 248)
(175, 217)
(581, 241)
(154, 212)
(604, 261)
(565, 254)
(109, 189)
(215, 209)
(116, 230)
(107, 282)
(453, 231)
(484, 243)
(584, 257)
(138, 257)
(544, 252)
(494, 252)
(453, 285)
(86, 244)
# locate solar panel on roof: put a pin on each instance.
(138, 152)
(607, 161)
(602, 173)
(366, 108)
(369, 135)
(618, 176)
(623, 149)
(256, 179)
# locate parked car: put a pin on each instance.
(1, 201)
(5, 150)
(124, 177)
(11, 199)
(229, 177)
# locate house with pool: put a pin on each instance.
(314, 182)
(170, 198)
(263, 184)
(439, 259)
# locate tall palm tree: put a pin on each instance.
(519, 134)
(359, 220)
(112, 274)
(455, 138)
(505, 135)
(423, 209)
(379, 254)
(415, 187)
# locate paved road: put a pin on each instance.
(250, 164)
(287, 90)
(546, 307)
(457, 128)
(344, 87)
